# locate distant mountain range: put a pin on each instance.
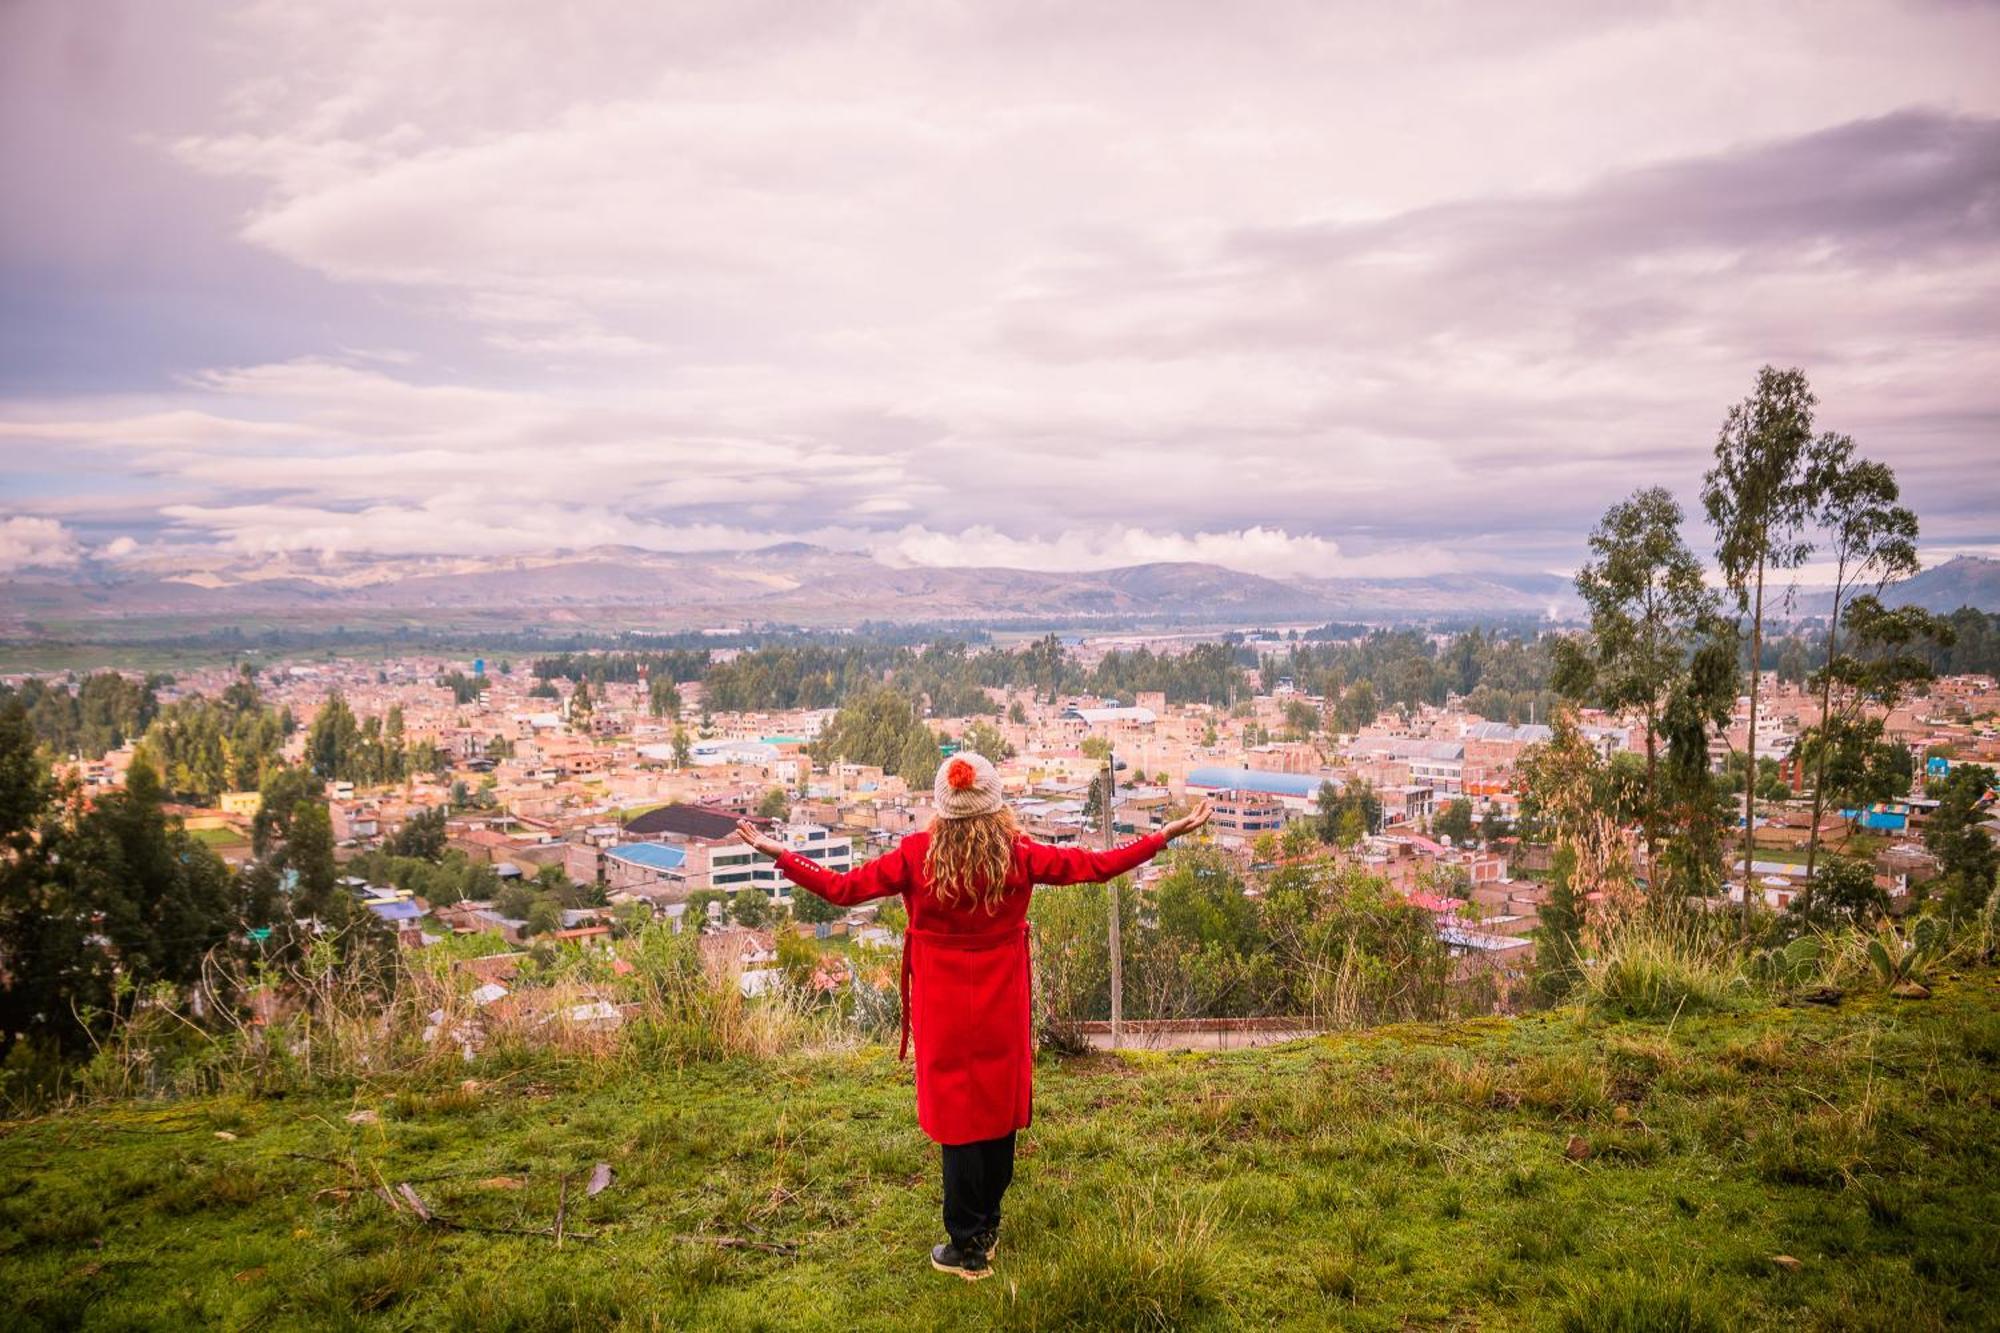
(792, 583)
(1968, 580)
(613, 588)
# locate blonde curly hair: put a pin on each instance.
(969, 858)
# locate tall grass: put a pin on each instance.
(1639, 1303)
(1149, 1263)
(340, 1016)
(1655, 966)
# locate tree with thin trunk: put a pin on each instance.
(1648, 606)
(1758, 498)
(1886, 656)
(1873, 542)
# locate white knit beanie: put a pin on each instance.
(967, 784)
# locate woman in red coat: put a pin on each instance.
(965, 884)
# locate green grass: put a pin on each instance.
(219, 837)
(1561, 1171)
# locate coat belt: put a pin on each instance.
(944, 939)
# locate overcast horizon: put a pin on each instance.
(1298, 289)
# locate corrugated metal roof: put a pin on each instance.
(1530, 732)
(1460, 938)
(1124, 714)
(1254, 779)
(652, 855)
(1405, 747)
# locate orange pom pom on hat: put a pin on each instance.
(967, 785)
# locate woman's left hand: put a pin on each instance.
(1189, 822)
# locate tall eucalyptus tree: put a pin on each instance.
(1759, 498)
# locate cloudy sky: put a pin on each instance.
(1296, 287)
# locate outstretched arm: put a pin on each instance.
(880, 878)
(1079, 865)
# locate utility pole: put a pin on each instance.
(1117, 948)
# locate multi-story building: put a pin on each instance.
(682, 848)
(741, 866)
(1246, 814)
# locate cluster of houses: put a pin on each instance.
(645, 805)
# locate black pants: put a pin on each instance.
(975, 1176)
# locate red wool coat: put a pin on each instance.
(965, 975)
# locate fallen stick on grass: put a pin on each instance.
(414, 1203)
(741, 1243)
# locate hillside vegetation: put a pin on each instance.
(1770, 1167)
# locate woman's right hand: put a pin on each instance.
(1189, 822)
(770, 846)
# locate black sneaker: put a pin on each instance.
(968, 1263)
(988, 1242)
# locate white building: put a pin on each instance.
(734, 867)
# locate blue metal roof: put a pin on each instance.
(1255, 779)
(652, 855)
(400, 910)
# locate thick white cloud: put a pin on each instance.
(1297, 287)
(1257, 550)
(27, 543)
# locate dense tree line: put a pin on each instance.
(465, 689)
(881, 727)
(950, 679)
(203, 747)
(1973, 648)
(99, 713)
(811, 676)
(98, 900)
(1206, 673)
(1500, 676)
(343, 748)
(625, 668)
(1963, 643)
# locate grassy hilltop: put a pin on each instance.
(1772, 1168)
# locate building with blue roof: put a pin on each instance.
(646, 868)
(397, 910)
(655, 856)
(1288, 787)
